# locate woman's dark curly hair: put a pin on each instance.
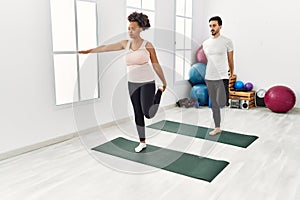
(141, 19)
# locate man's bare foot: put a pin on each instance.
(215, 131)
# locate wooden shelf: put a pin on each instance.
(240, 95)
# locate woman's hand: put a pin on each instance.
(164, 87)
(85, 51)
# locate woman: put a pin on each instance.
(141, 82)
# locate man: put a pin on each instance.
(219, 53)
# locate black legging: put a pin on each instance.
(145, 103)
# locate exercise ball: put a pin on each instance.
(200, 56)
(280, 99)
(239, 85)
(248, 86)
(199, 92)
(209, 102)
(197, 73)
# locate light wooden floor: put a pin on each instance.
(267, 170)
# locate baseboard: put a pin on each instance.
(168, 107)
(69, 136)
(36, 146)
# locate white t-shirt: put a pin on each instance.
(216, 50)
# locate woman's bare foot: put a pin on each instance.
(215, 131)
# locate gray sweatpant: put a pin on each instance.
(218, 93)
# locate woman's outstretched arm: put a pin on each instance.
(106, 48)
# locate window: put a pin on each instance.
(145, 6)
(183, 43)
(74, 27)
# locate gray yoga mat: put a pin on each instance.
(226, 137)
(182, 163)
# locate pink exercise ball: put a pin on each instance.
(200, 56)
(280, 99)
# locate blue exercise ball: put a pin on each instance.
(197, 73)
(239, 85)
(199, 92)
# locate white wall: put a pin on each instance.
(265, 36)
(28, 112)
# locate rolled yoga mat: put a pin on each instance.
(225, 137)
(174, 161)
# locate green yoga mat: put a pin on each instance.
(225, 137)
(174, 161)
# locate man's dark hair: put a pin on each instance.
(141, 19)
(216, 18)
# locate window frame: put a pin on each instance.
(184, 49)
(63, 52)
(141, 9)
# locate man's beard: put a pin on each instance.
(213, 33)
